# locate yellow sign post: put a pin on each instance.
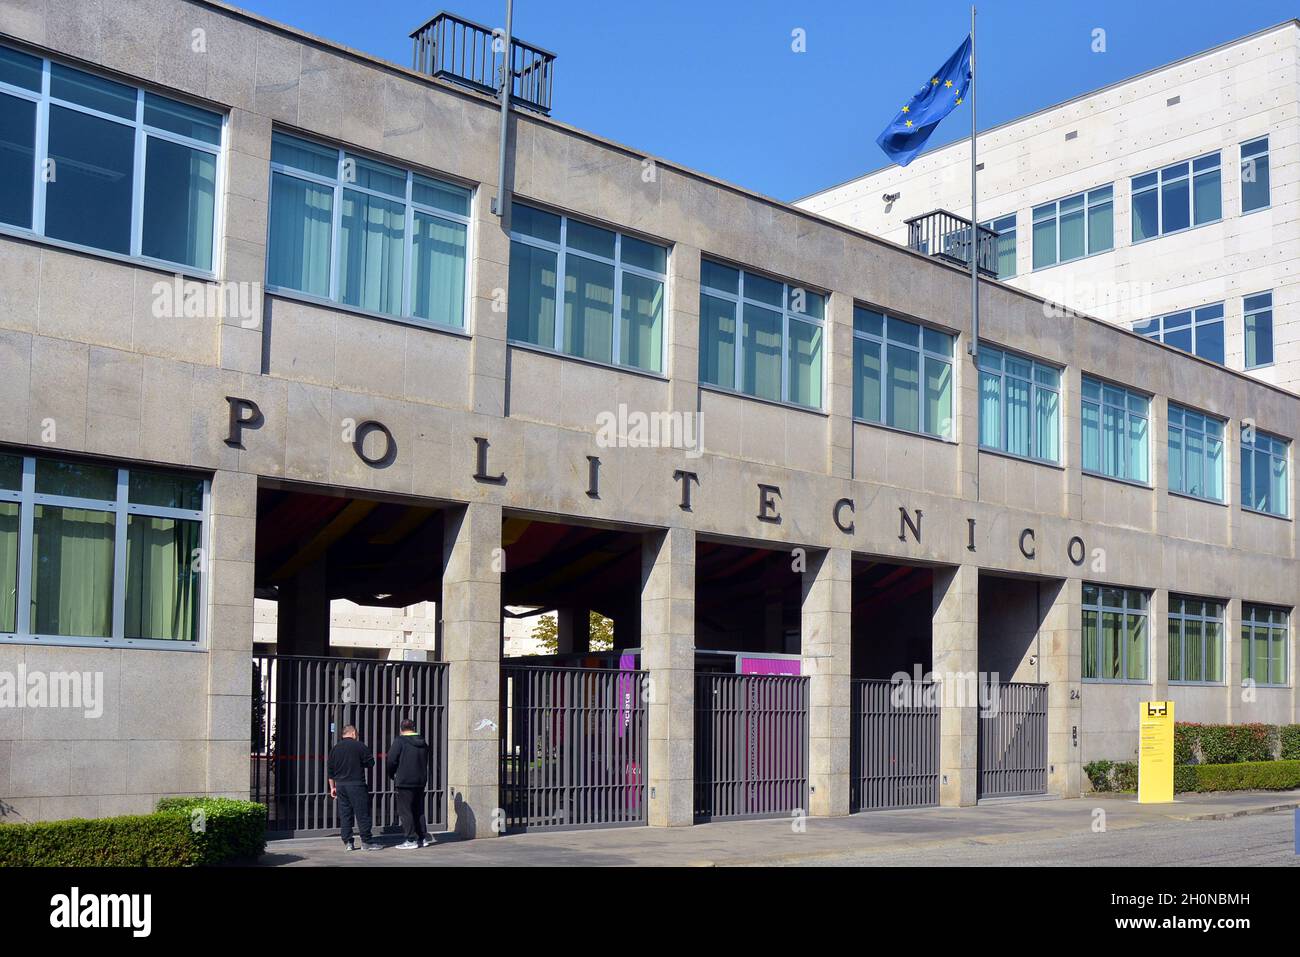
(1156, 752)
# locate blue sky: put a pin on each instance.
(715, 85)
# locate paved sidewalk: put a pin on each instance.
(777, 841)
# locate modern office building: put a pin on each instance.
(1168, 203)
(263, 336)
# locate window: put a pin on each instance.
(1258, 327)
(366, 234)
(1263, 472)
(1114, 633)
(1254, 175)
(1264, 632)
(599, 268)
(1074, 227)
(760, 336)
(1198, 331)
(902, 373)
(105, 166)
(1005, 244)
(91, 552)
(1020, 405)
(1195, 640)
(1177, 197)
(1195, 453)
(1115, 439)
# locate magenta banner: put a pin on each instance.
(769, 666)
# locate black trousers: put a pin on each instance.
(354, 801)
(410, 808)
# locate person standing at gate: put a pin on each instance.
(408, 766)
(348, 763)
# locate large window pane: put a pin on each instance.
(301, 217)
(438, 261)
(180, 187)
(532, 294)
(805, 364)
(1044, 243)
(990, 410)
(903, 388)
(761, 361)
(164, 490)
(1090, 641)
(641, 322)
(1175, 649)
(162, 584)
(1207, 199)
(1092, 437)
(1254, 178)
(1136, 650)
(866, 379)
(1174, 213)
(371, 262)
(938, 397)
(88, 198)
(17, 160)
(72, 572)
(588, 309)
(1137, 449)
(304, 155)
(1112, 643)
(1146, 221)
(8, 566)
(20, 69)
(718, 341)
(1017, 415)
(106, 96)
(1072, 245)
(1258, 327)
(1101, 227)
(1047, 434)
(76, 480)
(177, 117)
(1214, 651)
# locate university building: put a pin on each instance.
(264, 339)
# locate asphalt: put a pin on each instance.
(1097, 829)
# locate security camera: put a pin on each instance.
(890, 197)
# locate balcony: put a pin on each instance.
(468, 53)
(945, 235)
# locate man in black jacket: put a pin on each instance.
(348, 763)
(408, 766)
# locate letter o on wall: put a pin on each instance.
(1083, 550)
(359, 444)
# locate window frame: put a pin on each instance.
(923, 356)
(1246, 313)
(1266, 152)
(1002, 233)
(1098, 608)
(142, 132)
(1158, 186)
(1088, 204)
(1182, 427)
(739, 300)
(1034, 388)
(562, 250)
(1183, 617)
(1273, 454)
(1101, 404)
(1249, 610)
(410, 206)
(121, 509)
(1195, 324)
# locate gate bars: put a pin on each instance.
(300, 706)
(1013, 742)
(894, 751)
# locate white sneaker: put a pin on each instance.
(427, 843)
(407, 846)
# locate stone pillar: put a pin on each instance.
(1061, 666)
(1072, 441)
(839, 385)
(955, 638)
(471, 639)
(827, 652)
(573, 630)
(1158, 641)
(1231, 660)
(668, 654)
(241, 247)
(302, 614)
(1159, 433)
(488, 307)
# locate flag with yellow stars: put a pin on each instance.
(906, 134)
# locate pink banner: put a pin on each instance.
(769, 666)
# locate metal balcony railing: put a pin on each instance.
(947, 236)
(459, 50)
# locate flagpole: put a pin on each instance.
(973, 348)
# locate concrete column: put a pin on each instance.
(1231, 660)
(1061, 667)
(668, 654)
(489, 308)
(471, 623)
(573, 630)
(1158, 642)
(682, 362)
(839, 385)
(965, 412)
(955, 637)
(827, 653)
(240, 256)
(1159, 433)
(1072, 441)
(302, 614)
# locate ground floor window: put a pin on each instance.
(91, 551)
(1264, 632)
(1114, 633)
(1195, 640)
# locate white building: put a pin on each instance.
(1171, 196)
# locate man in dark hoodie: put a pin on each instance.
(348, 763)
(408, 766)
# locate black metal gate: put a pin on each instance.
(894, 741)
(1013, 740)
(300, 706)
(751, 746)
(573, 747)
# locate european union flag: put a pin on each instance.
(903, 138)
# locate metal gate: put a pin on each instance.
(894, 756)
(751, 746)
(1013, 740)
(573, 747)
(300, 706)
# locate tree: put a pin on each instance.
(547, 633)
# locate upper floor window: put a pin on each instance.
(1263, 472)
(1198, 331)
(1195, 453)
(902, 373)
(1020, 405)
(612, 307)
(105, 166)
(1195, 640)
(366, 234)
(91, 552)
(1114, 633)
(1177, 197)
(1074, 227)
(760, 336)
(1254, 174)
(1005, 245)
(1115, 434)
(1257, 324)
(1264, 633)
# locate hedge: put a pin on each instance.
(168, 837)
(1289, 739)
(1232, 743)
(1242, 776)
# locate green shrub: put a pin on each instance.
(1184, 777)
(166, 838)
(1289, 741)
(1112, 775)
(1248, 776)
(1125, 776)
(1185, 739)
(1099, 774)
(1224, 743)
